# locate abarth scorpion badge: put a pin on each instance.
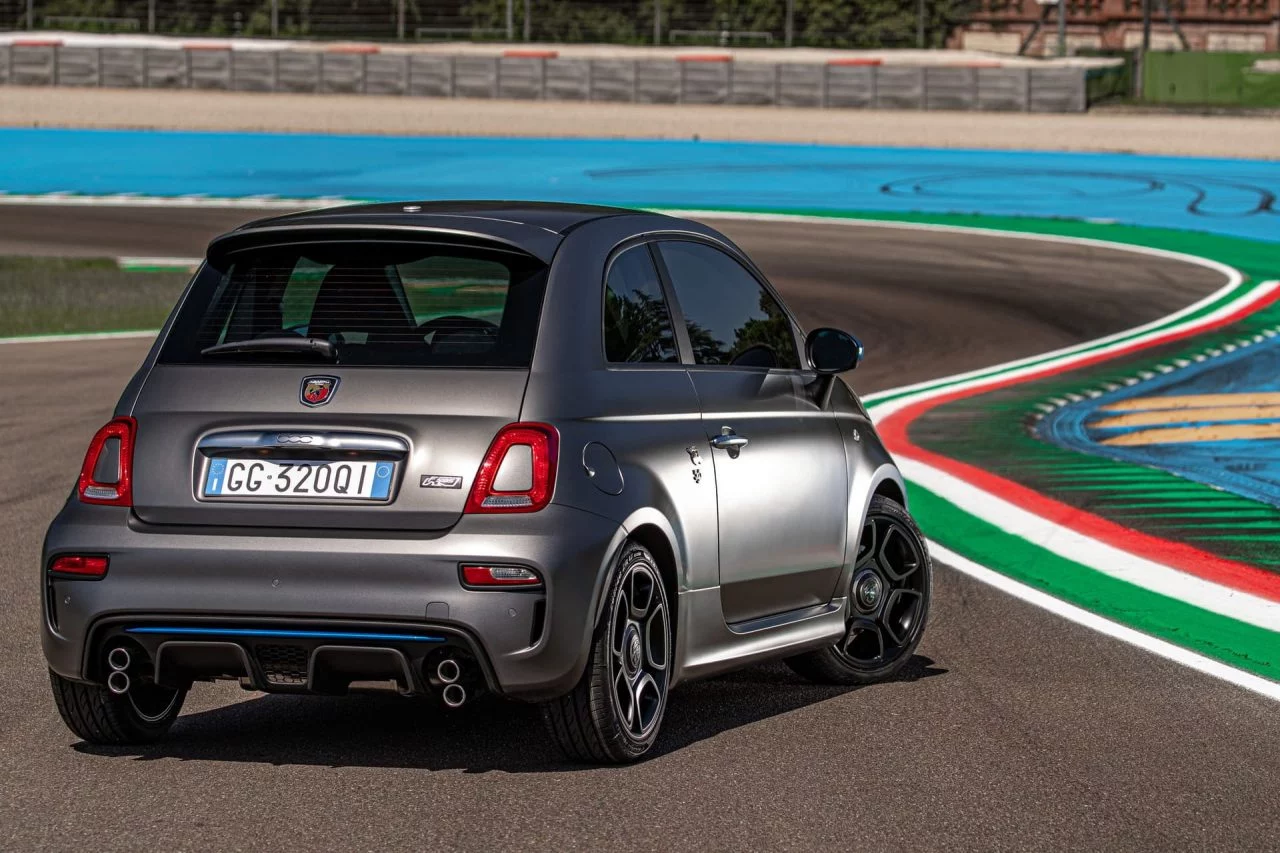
(317, 390)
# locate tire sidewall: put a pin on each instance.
(609, 723)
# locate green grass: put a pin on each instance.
(40, 296)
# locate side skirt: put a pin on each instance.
(706, 645)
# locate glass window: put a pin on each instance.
(637, 322)
(384, 304)
(731, 318)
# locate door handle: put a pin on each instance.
(730, 441)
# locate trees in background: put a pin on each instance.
(835, 23)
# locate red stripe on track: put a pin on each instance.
(1185, 558)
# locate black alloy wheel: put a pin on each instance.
(888, 602)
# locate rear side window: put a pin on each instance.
(732, 319)
(378, 304)
(637, 322)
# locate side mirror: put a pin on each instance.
(832, 351)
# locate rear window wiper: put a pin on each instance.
(317, 347)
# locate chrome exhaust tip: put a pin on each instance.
(454, 695)
(119, 659)
(449, 671)
(118, 682)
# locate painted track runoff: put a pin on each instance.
(1014, 729)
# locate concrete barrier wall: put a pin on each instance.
(698, 80)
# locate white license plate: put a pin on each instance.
(297, 479)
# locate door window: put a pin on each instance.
(731, 318)
(637, 322)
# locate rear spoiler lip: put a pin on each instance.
(528, 240)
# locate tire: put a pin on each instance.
(98, 716)
(882, 629)
(615, 712)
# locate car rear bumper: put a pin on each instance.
(529, 643)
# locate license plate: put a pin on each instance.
(298, 479)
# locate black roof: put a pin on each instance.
(550, 216)
(534, 227)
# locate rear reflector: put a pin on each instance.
(114, 486)
(543, 444)
(92, 567)
(499, 576)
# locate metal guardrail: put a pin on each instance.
(697, 79)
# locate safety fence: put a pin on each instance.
(543, 75)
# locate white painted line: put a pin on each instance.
(190, 201)
(175, 263)
(1080, 616)
(82, 336)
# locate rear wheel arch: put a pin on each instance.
(655, 540)
(891, 489)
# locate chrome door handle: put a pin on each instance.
(730, 441)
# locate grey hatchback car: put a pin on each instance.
(563, 454)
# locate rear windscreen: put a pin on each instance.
(378, 304)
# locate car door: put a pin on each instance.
(779, 461)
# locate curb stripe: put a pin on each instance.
(1015, 513)
(893, 427)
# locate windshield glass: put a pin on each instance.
(377, 303)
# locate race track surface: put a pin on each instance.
(1012, 729)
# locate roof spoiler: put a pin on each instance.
(457, 230)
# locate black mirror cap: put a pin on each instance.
(832, 351)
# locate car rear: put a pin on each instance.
(321, 480)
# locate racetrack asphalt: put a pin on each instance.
(1012, 729)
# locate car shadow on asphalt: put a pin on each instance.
(389, 731)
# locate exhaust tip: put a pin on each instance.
(118, 682)
(119, 659)
(449, 671)
(454, 695)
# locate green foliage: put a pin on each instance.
(835, 23)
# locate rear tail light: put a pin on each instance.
(107, 474)
(89, 567)
(500, 576)
(518, 473)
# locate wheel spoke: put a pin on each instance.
(899, 615)
(642, 592)
(863, 642)
(624, 691)
(898, 556)
(647, 698)
(621, 612)
(866, 544)
(655, 639)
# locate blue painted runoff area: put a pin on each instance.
(1233, 197)
(1222, 430)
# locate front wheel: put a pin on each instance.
(889, 597)
(614, 713)
(98, 716)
